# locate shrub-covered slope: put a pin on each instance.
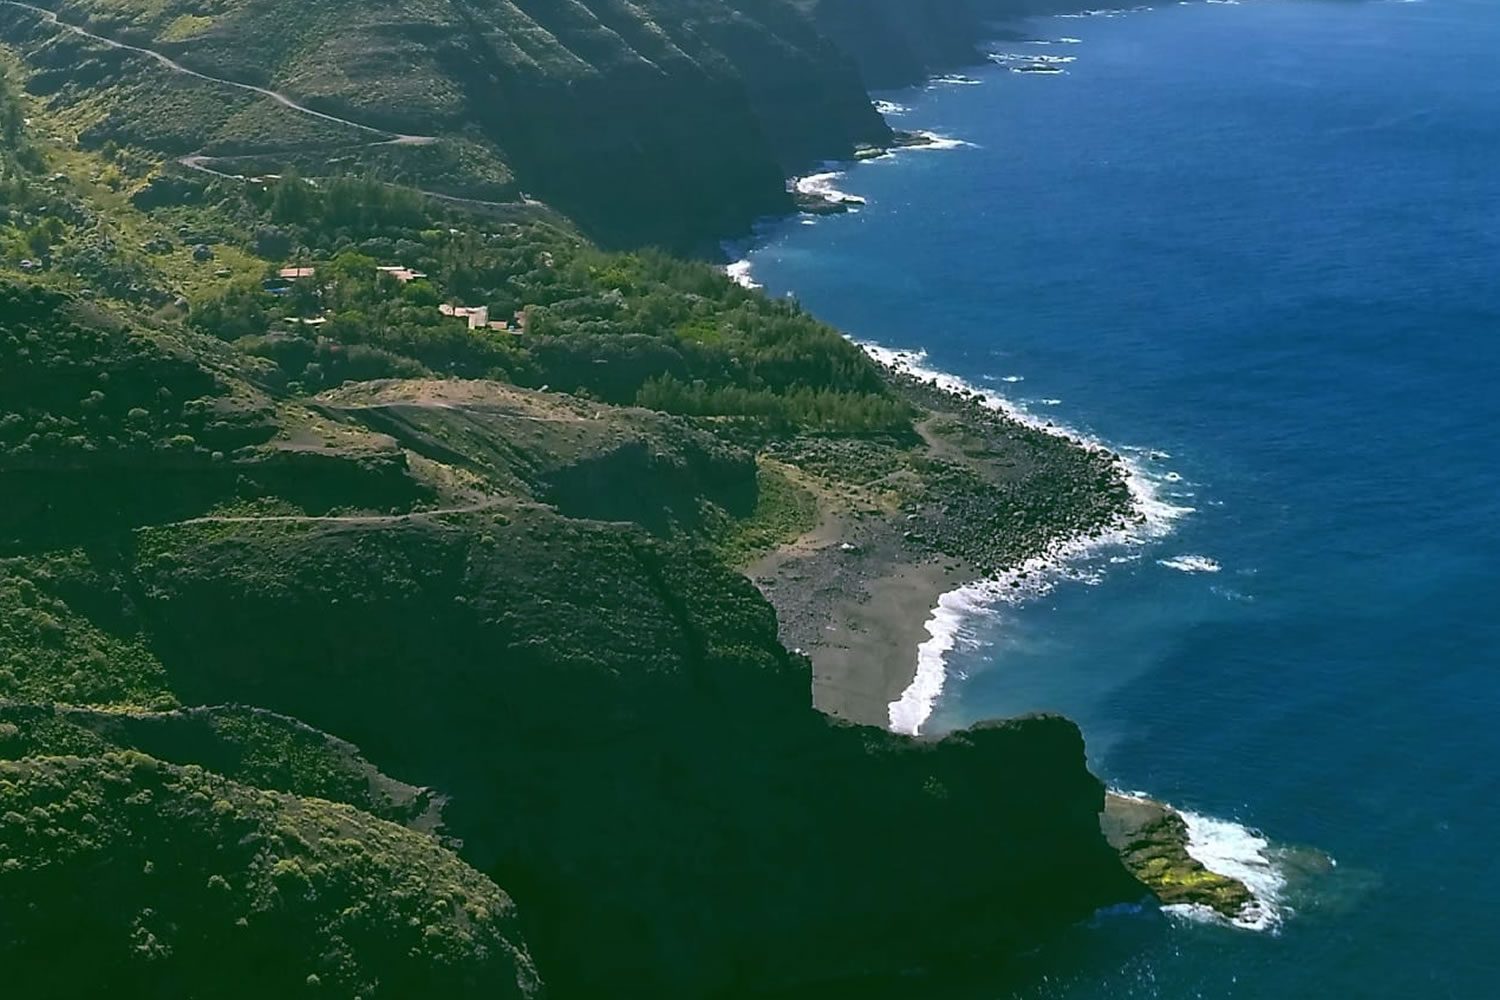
(126, 876)
(105, 424)
(248, 745)
(585, 459)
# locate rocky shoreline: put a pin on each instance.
(975, 497)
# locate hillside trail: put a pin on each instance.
(415, 515)
(200, 161)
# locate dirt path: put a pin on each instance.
(416, 515)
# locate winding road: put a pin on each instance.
(200, 161)
(177, 67)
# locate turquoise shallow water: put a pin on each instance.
(1263, 239)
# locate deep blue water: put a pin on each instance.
(1263, 238)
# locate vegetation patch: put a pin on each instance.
(144, 872)
(51, 653)
(784, 510)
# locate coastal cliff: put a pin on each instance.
(629, 752)
(439, 623)
(670, 123)
(898, 44)
(596, 719)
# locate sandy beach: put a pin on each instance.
(861, 632)
(855, 597)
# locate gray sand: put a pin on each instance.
(859, 613)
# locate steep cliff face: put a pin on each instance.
(686, 120)
(638, 156)
(631, 754)
(896, 42)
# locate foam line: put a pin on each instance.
(1151, 517)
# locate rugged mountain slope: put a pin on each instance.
(477, 617)
(125, 876)
(664, 121)
(660, 121)
(629, 752)
(156, 426)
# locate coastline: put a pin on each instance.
(1147, 518)
(881, 589)
(879, 633)
(898, 620)
(888, 636)
(878, 620)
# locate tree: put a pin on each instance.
(292, 200)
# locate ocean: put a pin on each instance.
(1255, 246)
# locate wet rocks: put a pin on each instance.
(1152, 841)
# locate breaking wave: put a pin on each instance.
(1240, 853)
(739, 273)
(1106, 12)
(954, 80)
(1191, 564)
(823, 186)
(935, 141)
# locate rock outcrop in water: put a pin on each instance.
(1152, 840)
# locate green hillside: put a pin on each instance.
(150, 878)
(666, 121)
(464, 580)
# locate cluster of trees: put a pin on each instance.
(49, 653)
(802, 407)
(632, 328)
(341, 203)
(366, 326)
